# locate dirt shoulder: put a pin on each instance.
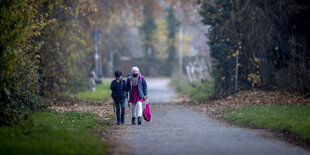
(212, 108)
(69, 103)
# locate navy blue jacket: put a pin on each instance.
(118, 87)
(142, 86)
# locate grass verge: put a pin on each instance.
(201, 92)
(290, 118)
(54, 133)
(102, 93)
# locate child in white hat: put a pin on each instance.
(137, 87)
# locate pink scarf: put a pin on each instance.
(134, 80)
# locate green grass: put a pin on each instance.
(201, 92)
(54, 133)
(286, 118)
(102, 93)
(181, 84)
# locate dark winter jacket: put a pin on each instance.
(118, 87)
(142, 86)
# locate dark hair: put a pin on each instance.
(118, 73)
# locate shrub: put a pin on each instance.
(19, 59)
(200, 92)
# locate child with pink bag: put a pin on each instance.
(137, 88)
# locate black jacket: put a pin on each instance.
(118, 88)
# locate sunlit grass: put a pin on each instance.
(102, 93)
(54, 133)
(287, 118)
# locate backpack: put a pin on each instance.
(119, 93)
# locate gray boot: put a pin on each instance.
(133, 121)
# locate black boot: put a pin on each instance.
(139, 120)
(133, 121)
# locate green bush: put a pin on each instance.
(272, 54)
(19, 86)
(41, 54)
(200, 92)
(181, 84)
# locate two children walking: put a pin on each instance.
(136, 87)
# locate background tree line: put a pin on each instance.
(47, 47)
(45, 50)
(270, 38)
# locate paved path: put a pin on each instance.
(174, 129)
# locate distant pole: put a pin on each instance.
(236, 74)
(111, 61)
(95, 34)
(180, 52)
(98, 55)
